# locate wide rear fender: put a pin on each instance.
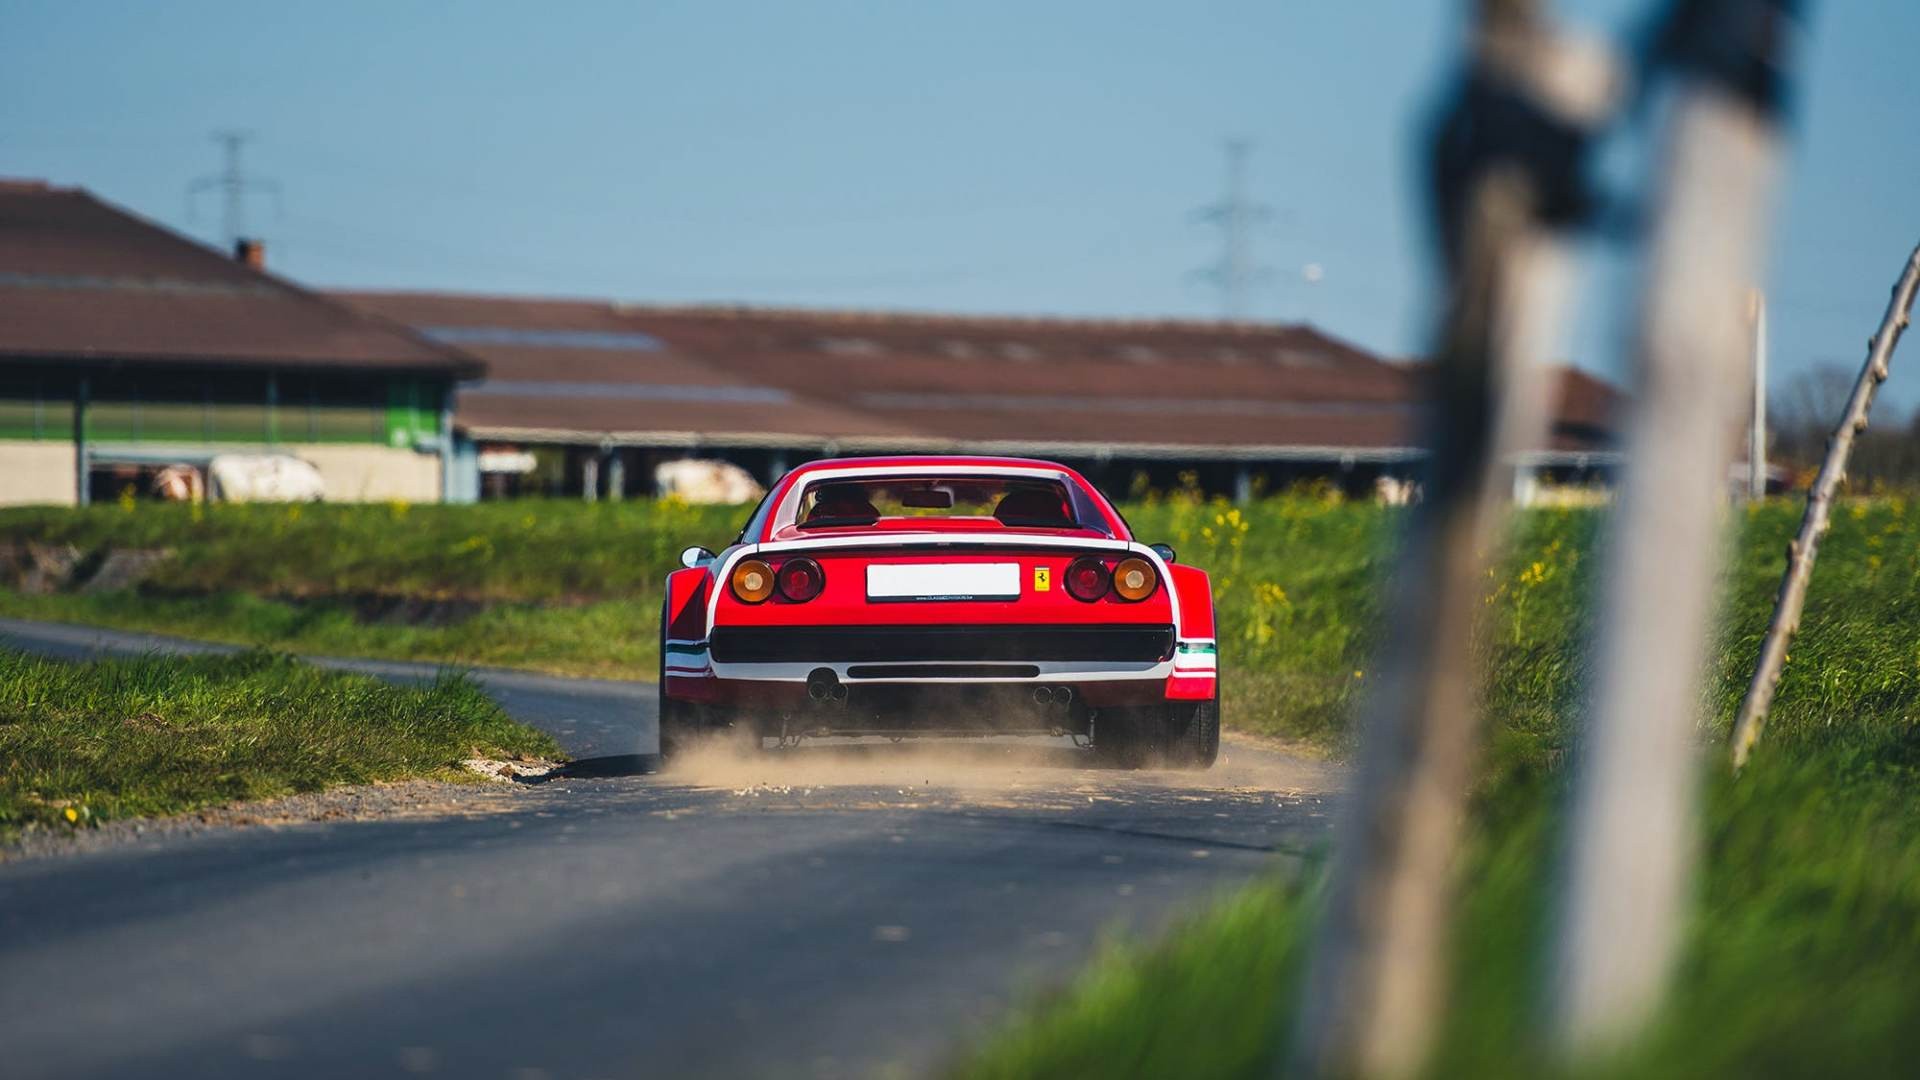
(1190, 584)
(1196, 675)
(687, 603)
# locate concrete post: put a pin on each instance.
(273, 409)
(81, 495)
(616, 476)
(590, 477)
(1757, 428)
(449, 489)
(1526, 485)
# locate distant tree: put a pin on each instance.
(1803, 414)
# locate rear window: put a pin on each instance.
(1014, 502)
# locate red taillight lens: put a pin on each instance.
(1087, 579)
(801, 580)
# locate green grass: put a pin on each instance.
(1803, 956)
(573, 587)
(558, 586)
(1803, 953)
(86, 743)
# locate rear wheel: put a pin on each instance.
(687, 725)
(1193, 734)
(1173, 735)
(1129, 738)
(678, 723)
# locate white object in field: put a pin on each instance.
(700, 481)
(519, 462)
(179, 483)
(943, 581)
(1396, 491)
(264, 478)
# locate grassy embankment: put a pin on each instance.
(1803, 957)
(85, 743)
(575, 588)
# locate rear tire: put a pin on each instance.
(1176, 735)
(1193, 734)
(687, 725)
(676, 723)
(1128, 738)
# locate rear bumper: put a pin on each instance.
(769, 668)
(1084, 645)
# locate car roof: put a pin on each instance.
(909, 463)
(915, 461)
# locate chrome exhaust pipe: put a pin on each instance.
(1043, 695)
(823, 685)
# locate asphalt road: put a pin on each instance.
(827, 911)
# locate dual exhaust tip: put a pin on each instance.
(824, 686)
(1052, 695)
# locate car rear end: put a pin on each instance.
(940, 632)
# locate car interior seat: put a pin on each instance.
(1041, 507)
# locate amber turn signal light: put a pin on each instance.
(1134, 579)
(752, 580)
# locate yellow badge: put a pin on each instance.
(1042, 579)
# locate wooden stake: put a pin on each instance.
(1813, 524)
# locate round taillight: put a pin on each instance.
(1087, 579)
(1134, 579)
(800, 580)
(752, 580)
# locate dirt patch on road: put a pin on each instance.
(989, 771)
(411, 799)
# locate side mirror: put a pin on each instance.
(1165, 551)
(695, 556)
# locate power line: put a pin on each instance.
(234, 184)
(1235, 273)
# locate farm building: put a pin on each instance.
(585, 398)
(129, 353)
(126, 349)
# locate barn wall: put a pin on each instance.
(36, 471)
(371, 473)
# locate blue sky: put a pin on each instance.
(985, 156)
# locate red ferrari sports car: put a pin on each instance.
(923, 596)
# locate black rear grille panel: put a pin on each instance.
(870, 644)
(943, 671)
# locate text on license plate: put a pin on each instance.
(943, 581)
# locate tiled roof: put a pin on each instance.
(668, 374)
(81, 279)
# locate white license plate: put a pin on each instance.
(943, 581)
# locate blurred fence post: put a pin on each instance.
(1630, 843)
(82, 457)
(1509, 167)
(1813, 524)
